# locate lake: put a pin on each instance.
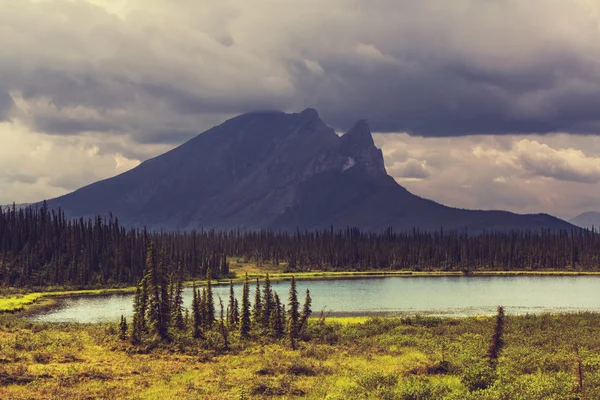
(446, 296)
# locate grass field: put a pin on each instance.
(382, 358)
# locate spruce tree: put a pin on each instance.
(123, 328)
(245, 317)
(137, 328)
(154, 289)
(222, 327)
(306, 311)
(165, 298)
(268, 303)
(196, 315)
(231, 308)
(143, 306)
(236, 311)
(202, 308)
(257, 306)
(277, 323)
(293, 314)
(177, 305)
(209, 302)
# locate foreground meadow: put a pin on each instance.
(544, 357)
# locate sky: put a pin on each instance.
(486, 104)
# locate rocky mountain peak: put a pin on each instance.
(359, 136)
(359, 148)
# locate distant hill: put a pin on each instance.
(280, 171)
(587, 220)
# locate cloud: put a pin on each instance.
(410, 169)
(563, 164)
(461, 91)
(556, 174)
(154, 69)
(36, 166)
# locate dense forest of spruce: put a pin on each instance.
(41, 247)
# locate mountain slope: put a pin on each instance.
(276, 170)
(587, 220)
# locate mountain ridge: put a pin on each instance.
(587, 220)
(276, 170)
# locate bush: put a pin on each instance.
(416, 388)
(376, 380)
(479, 376)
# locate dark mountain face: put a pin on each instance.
(276, 170)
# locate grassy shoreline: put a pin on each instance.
(45, 298)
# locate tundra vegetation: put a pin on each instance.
(270, 345)
(541, 357)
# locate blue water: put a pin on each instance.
(449, 296)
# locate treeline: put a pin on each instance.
(351, 249)
(159, 314)
(40, 247)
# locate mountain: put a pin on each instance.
(280, 171)
(587, 220)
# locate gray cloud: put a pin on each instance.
(153, 70)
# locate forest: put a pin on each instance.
(40, 247)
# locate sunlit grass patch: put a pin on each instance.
(17, 302)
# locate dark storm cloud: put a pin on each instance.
(456, 100)
(428, 68)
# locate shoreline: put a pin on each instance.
(28, 303)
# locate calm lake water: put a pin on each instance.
(449, 296)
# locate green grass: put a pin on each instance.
(17, 302)
(367, 358)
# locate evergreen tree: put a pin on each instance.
(222, 328)
(236, 311)
(209, 303)
(306, 311)
(123, 328)
(154, 288)
(143, 306)
(277, 323)
(139, 310)
(232, 318)
(196, 315)
(177, 305)
(165, 298)
(245, 317)
(257, 306)
(293, 314)
(268, 302)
